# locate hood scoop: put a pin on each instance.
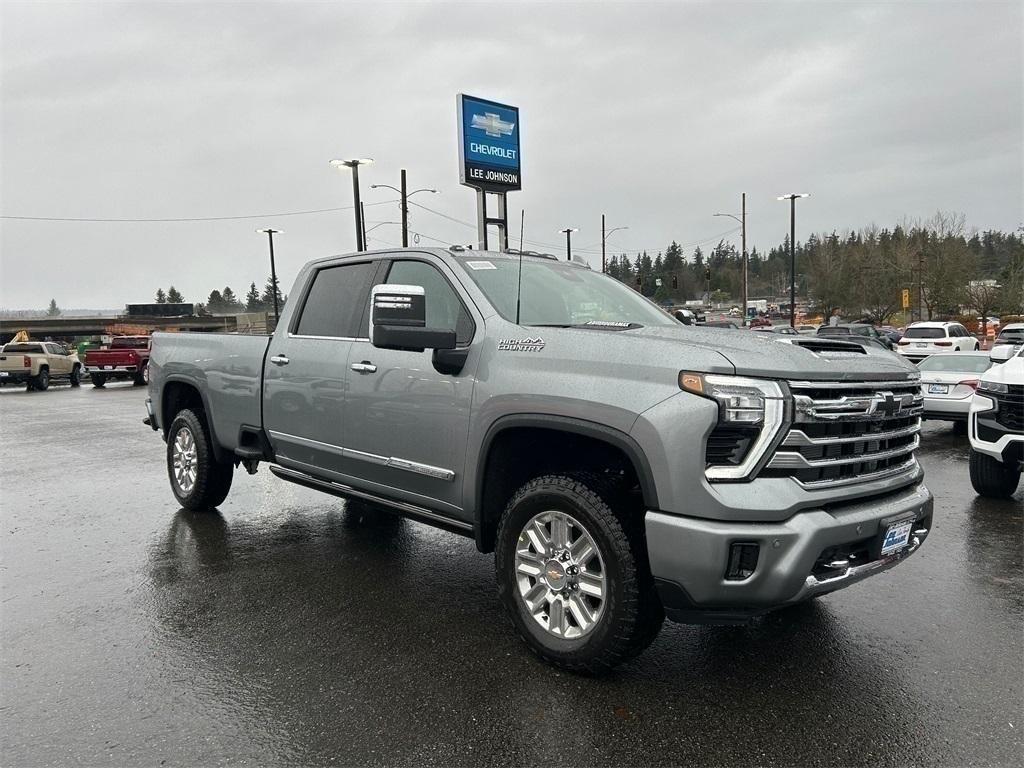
(827, 346)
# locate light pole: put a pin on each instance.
(404, 204)
(792, 253)
(378, 224)
(354, 165)
(568, 241)
(273, 269)
(604, 239)
(742, 219)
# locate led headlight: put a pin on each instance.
(998, 387)
(754, 404)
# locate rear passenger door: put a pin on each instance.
(306, 369)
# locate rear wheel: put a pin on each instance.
(42, 380)
(141, 378)
(572, 572)
(991, 477)
(76, 376)
(198, 480)
(98, 379)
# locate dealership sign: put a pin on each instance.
(488, 145)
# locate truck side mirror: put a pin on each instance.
(1001, 353)
(398, 320)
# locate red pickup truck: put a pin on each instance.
(127, 357)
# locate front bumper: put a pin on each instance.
(689, 556)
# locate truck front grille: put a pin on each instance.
(1011, 407)
(844, 433)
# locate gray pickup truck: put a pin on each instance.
(621, 465)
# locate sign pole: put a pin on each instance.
(481, 219)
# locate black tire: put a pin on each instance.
(76, 376)
(98, 379)
(993, 478)
(959, 427)
(42, 380)
(632, 613)
(141, 378)
(212, 478)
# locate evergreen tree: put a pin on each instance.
(215, 303)
(53, 310)
(268, 294)
(161, 297)
(252, 299)
(173, 297)
(231, 302)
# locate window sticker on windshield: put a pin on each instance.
(480, 265)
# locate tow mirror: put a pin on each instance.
(398, 320)
(1001, 353)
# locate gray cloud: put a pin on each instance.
(657, 114)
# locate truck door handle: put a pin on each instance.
(279, 360)
(364, 367)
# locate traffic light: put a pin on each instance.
(707, 273)
(675, 281)
(638, 281)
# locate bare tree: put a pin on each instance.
(984, 297)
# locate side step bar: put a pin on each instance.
(347, 492)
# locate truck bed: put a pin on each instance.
(227, 368)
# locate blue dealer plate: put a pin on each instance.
(938, 389)
(896, 537)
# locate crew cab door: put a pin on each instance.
(406, 423)
(306, 368)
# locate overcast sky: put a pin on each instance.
(658, 115)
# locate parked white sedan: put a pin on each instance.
(948, 382)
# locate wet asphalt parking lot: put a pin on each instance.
(285, 630)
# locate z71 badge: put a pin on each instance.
(521, 345)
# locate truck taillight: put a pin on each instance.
(26, 361)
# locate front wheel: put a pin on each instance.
(991, 477)
(76, 376)
(572, 572)
(198, 480)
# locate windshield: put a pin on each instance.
(558, 293)
(956, 363)
(925, 333)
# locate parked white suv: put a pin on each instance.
(996, 425)
(924, 339)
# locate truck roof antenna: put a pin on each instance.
(519, 286)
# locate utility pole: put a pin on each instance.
(920, 286)
(273, 269)
(743, 216)
(568, 241)
(792, 254)
(362, 224)
(404, 196)
(605, 234)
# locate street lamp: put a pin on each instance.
(742, 219)
(273, 269)
(378, 224)
(404, 203)
(354, 165)
(568, 240)
(792, 252)
(604, 239)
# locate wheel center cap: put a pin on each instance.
(554, 574)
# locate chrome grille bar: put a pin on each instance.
(792, 460)
(797, 437)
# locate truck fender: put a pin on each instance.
(218, 451)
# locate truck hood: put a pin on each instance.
(772, 355)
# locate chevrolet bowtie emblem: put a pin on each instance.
(492, 124)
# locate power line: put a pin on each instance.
(187, 219)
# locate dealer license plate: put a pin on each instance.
(921, 344)
(896, 537)
(938, 389)
(3, 374)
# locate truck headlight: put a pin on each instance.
(998, 387)
(754, 406)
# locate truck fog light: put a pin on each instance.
(742, 561)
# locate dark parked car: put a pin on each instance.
(860, 330)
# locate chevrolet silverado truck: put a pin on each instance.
(995, 426)
(622, 466)
(127, 357)
(36, 363)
